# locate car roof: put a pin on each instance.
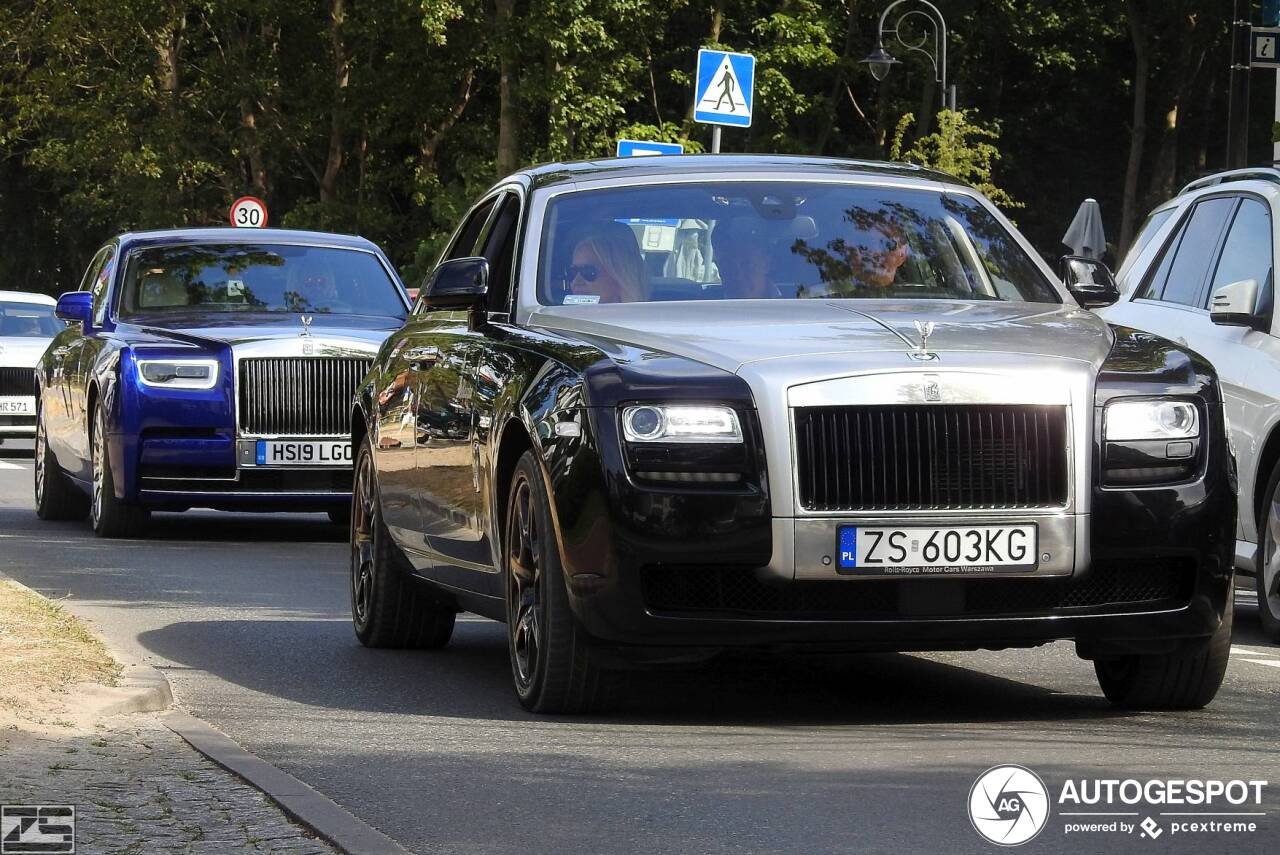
(226, 234)
(26, 297)
(551, 174)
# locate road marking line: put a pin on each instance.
(1272, 662)
(1244, 651)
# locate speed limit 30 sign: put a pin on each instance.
(249, 212)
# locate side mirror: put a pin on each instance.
(461, 283)
(75, 306)
(1236, 305)
(1089, 281)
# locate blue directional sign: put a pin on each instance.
(644, 148)
(723, 94)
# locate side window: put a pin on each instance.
(500, 249)
(1246, 253)
(95, 267)
(101, 285)
(1182, 270)
(465, 245)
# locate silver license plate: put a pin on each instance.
(937, 551)
(294, 452)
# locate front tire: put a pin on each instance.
(1186, 680)
(111, 517)
(556, 666)
(1267, 576)
(389, 608)
(56, 497)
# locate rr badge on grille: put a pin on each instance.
(932, 387)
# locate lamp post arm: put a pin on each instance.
(939, 38)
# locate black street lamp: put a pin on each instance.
(881, 62)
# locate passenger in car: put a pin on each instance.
(877, 254)
(742, 255)
(606, 265)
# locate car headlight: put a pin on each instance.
(680, 423)
(178, 373)
(1151, 419)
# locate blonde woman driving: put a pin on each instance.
(607, 265)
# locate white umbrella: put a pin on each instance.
(1085, 236)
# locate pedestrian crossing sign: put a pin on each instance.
(723, 95)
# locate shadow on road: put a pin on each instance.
(319, 663)
(198, 526)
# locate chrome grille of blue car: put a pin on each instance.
(298, 396)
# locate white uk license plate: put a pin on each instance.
(294, 452)
(943, 551)
(17, 405)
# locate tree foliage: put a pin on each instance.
(387, 117)
(961, 146)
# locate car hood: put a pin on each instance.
(22, 352)
(732, 335)
(360, 331)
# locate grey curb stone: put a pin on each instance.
(321, 814)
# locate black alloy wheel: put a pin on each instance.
(555, 665)
(56, 497)
(110, 516)
(389, 607)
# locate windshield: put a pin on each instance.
(258, 278)
(779, 240)
(28, 320)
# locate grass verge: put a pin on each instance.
(43, 650)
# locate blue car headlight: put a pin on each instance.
(178, 373)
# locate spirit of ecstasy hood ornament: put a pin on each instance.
(306, 325)
(922, 349)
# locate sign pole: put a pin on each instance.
(715, 129)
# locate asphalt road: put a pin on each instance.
(248, 617)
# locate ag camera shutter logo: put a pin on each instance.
(1008, 805)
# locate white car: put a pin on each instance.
(27, 325)
(1202, 273)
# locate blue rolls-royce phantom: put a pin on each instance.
(210, 368)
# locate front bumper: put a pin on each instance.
(1140, 604)
(200, 469)
(687, 570)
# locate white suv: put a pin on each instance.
(27, 325)
(1201, 273)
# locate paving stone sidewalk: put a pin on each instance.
(139, 788)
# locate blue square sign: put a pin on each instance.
(848, 547)
(723, 94)
(645, 148)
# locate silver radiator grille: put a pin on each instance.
(298, 396)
